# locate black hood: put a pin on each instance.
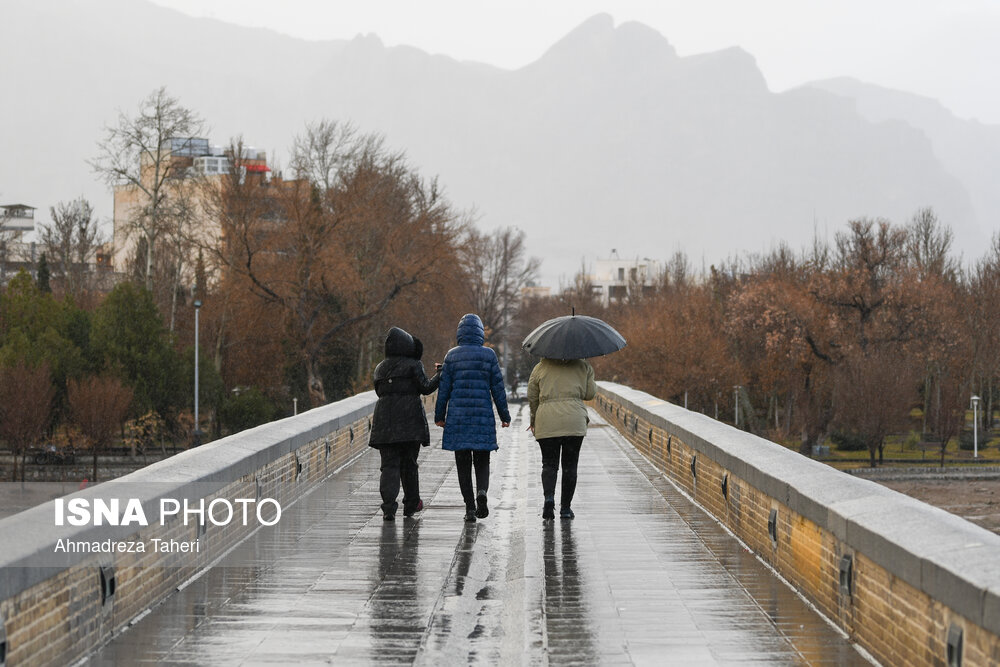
(398, 343)
(418, 349)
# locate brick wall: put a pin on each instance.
(55, 614)
(900, 577)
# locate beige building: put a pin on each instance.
(533, 291)
(192, 166)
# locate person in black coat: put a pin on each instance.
(399, 425)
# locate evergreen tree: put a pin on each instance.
(42, 279)
(129, 336)
(36, 329)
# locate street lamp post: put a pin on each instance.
(975, 427)
(197, 431)
(736, 405)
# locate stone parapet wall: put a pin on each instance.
(54, 614)
(910, 583)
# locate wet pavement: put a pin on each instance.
(641, 576)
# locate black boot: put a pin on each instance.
(549, 509)
(470, 512)
(482, 510)
(566, 513)
(411, 510)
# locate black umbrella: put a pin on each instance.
(573, 337)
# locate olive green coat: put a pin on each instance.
(556, 392)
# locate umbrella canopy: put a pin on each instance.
(573, 337)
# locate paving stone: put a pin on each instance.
(641, 576)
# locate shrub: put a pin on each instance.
(246, 409)
(965, 441)
(848, 442)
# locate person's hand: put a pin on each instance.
(440, 423)
(504, 424)
(438, 366)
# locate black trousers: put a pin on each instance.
(568, 448)
(465, 459)
(399, 466)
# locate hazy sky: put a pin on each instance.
(945, 49)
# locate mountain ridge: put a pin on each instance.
(608, 140)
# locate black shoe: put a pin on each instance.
(470, 515)
(389, 517)
(566, 513)
(414, 510)
(549, 510)
(482, 511)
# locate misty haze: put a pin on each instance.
(608, 141)
(394, 306)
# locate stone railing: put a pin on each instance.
(56, 607)
(910, 583)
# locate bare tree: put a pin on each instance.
(71, 242)
(580, 295)
(677, 272)
(179, 242)
(333, 249)
(928, 246)
(25, 408)
(325, 149)
(497, 267)
(98, 406)
(983, 324)
(947, 408)
(873, 392)
(139, 153)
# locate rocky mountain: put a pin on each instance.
(969, 150)
(609, 140)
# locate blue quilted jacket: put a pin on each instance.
(471, 383)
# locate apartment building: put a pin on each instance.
(18, 249)
(614, 277)
(191, 166)
(21, 246)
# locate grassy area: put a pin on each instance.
(901, 450)
(909, 449)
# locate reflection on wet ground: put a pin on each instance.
(640, 577)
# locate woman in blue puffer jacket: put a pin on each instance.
(471, 384)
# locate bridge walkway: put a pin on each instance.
(641, 576)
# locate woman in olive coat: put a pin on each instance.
(557, 389)
(399, 425)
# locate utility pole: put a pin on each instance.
(506, 303)
(736, 405)
(197, 431)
